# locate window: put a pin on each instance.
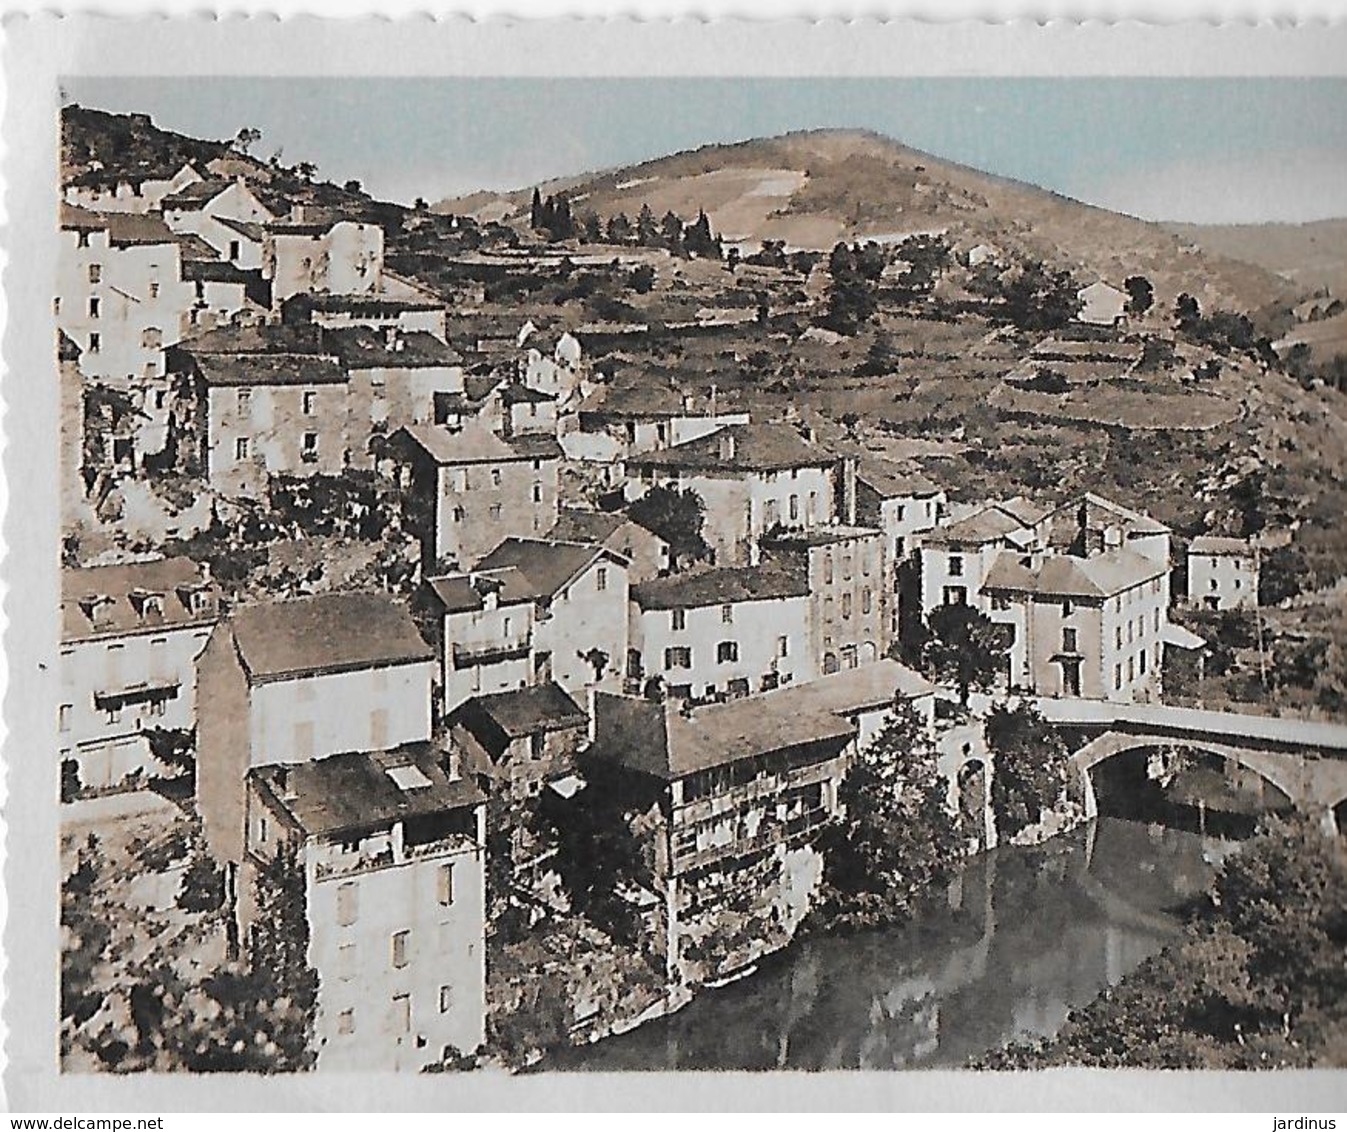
(154, 290)
(828, 569)
(1117, 637)
(1000, 603)
(241, 448)
(1157, 620)
(956, 565)
(446, 999)
(1131, 669)
(308, 402)
(727, 614)
(95, 307)
(680, 656)
(346, 960)
(1213, 583)
(537, 493)
(601, 578)
(1141, 661)
(865, 600)
(956, 595)
(495, 512)
(1068, 640)
(262, 829)
(898, 512)
(1068, 607)
(311, 443)
(402, 1013)
(233, 249)
(95, 343)
(783, 646)
(95, 273)
(678, 618)
(244, 398)
(794, 508)
(1117, 676)
(1238, 584)
(459, 514)
(727, 652)
(63, 717)
(348, 903)
(444, 885)
(346, 1022)
(56, 305)
(1130, 632)
(846, 605)
(495, 477)
(400, 940)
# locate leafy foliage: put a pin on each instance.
(1031, 769)
(898, 838)
(1258, 980)
(676, 516)
(965, 648)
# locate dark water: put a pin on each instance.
(1025, 935)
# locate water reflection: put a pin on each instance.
(1021, 938)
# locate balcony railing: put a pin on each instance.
(471, 653)
(341, 863)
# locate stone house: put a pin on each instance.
(647, 554)
(1223, 573)
(392, 847)
(130, 636)
(487, 633)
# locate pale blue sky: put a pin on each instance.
(1208, 150)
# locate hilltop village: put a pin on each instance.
(479, 637)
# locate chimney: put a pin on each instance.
(283, 783)
(1113, 538)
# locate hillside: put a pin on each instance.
(815, 188)
(1311, 256)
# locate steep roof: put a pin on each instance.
(1133, 522)
(269, 369)
(216, 271)
(196, 195)
(124, 229)
(1061, 575)
(755, 447)
(516, 393)
(328, 633)
(256, 233)
(461, 593)
(658, 739)
(597, 527)
(370, 305)
(546, 565)
(195, 250)
(988, 525)
(1211, 544)
(361, 347)
(360, 790)
(722, 586)
(99, 601)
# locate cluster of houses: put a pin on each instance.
(723, 700)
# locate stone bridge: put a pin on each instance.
(1305, 760)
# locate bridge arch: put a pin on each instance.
(1286, 774)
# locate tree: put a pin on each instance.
(1187, 312)
(698, 239)
(642, 279)
(646, 231)
(1038, 299)
(1140, 294)
(591, 231)
(677, 517)
(1030, 774)
(1281, 574)
(306, 170)
(898, 837)
(966, 648)
(536, 210)
(671, 232)
(352, 186)
(851, 301)
(619, 229)
(246, 138)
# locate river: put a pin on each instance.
(1021, 938)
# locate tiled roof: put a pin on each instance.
(99, 601)
(327, 633)
(658, 739)
(461, 593)
(722, 586)
(546, 565)
(527, 711)
(475, 443)
(256, 233)
(893, 481)
(196, 195)
(195, 250)
(375, 305)
(215, 271)
(259, 338)
(739, 448)
(1061, 575)
(515, 393)
(597, 527)
(269, 369)
(791, 537)
(988, 525)
(356, 791)
(1211, 544)
(360, 347)
(1097, 507)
